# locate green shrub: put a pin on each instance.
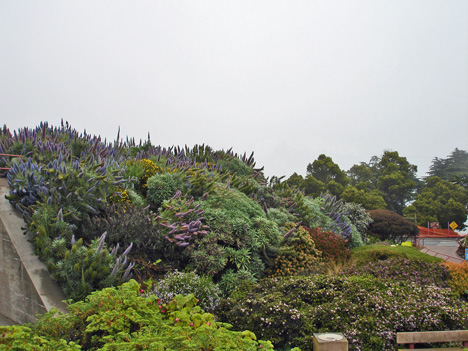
(136, 198)
(83, 270)
(298, 254)
(162, 187)
(358, 216)
(233, 203)
(22, 338)
(140, 171)
(236, 166)
(280, 216)
(232, 279)
(121, 319)
(179, 283)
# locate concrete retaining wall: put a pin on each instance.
(26, 287)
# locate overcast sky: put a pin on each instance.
(286, 79)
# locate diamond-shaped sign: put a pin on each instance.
(453, 225)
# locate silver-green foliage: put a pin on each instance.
(175, 283)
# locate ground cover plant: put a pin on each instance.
(368, 310)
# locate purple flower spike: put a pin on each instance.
(128, 249)
(182, 244)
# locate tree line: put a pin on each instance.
(390, 182)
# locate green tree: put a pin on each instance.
(455, 165)
(295, 180)
(363, 176)
(454, 168)
(391, 176)
(324, 170)
(370, 200)
(313, 187)
(397, 180)
(440, 201)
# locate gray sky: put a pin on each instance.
(287, 79)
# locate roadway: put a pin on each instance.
(445, 248)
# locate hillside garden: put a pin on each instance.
(195, 249)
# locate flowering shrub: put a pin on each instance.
(368, 310)
(127, 225)
(176, 283)
(83, 269)
(120, 196)
(458, 279)
(402, 269)
(142, 170)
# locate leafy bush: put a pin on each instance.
(141, 171)
(86, 269)
(388, 225)
(126, 225)
(368, 310)
(162, 187)
(232, 279)
(298, 254)
(358, 216)
(236, 166)
(121, 319)
(175, 283)
(331, 246)
(458, 279)
(280, 216)
(240, 234)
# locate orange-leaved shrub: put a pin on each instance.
(458, 279)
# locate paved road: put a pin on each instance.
(443, 248)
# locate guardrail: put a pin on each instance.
(10, 155)
(442, 255)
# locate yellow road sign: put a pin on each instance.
(453, 225)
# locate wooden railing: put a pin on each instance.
(412, 338)
(10, 155)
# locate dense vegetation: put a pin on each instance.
(389, 182)
(258, 253)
